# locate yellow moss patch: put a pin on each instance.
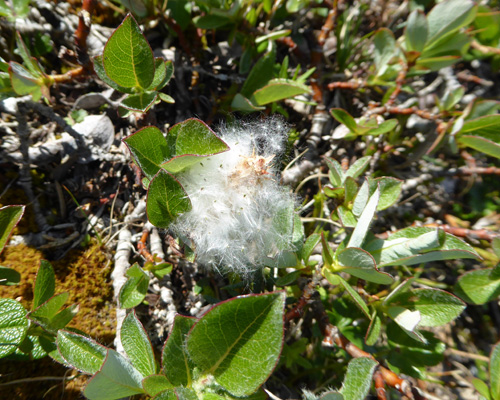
(83, 273)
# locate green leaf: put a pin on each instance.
(495, 372)
(180, 11)
(166, 98)
(358, 167)
(408, 321)
(51, 316)
(176, 363)
(149, 148)
(364, 220)
(361, 264)
(51, 307)
(21, 7)
(163, 73)
(246, 335)
(138, 7)
(423, 353)
(335, 174)
(384, 127)
(482, 388)
(390, 190)
(331, 396)
(436, 63)
(351, 188)
(478, 287)
(343, 117)
(241, 103)
(416, 31)
(9, 218)
(283, 222)
(13, 326)
(495, 245)
(155, 384)
(9, 276)
(261, 73)
(452, 97)
(117, 378)
(166, 200)
(334, 193)
(136, 344)
(101, 73)
(309, 245)
(386, 251)
(24, 82)
(385, 50)
(358, 378)
(185, 393)
(436, 307)
(373, 332)
(134, 290)
(346, 216)
(361, 199)
(189, 142)
(166, 395)
(37, 347)
(327, 252)
(354, 296)
(288, 279)
(45, 284)
(448, 17)
(481, 144)
(127, 57)
(139, 102)
(31, 63)
(480, 133)
(278, 89)
(82, 353)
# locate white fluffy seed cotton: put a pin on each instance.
(236, 198)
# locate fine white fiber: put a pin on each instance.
(236, 196)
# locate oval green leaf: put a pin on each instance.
(149, 148)
(45, 284)
(101, 73)
(436, 307)
(246, 337)
(278, 89)
(189, 142)
(155, 384)
(13, 326)
(358, 378)
(116, 379)
(361, 264)
(416, 31)
(82, 353)
(166, 200)
(9, 218)
(176, 362)
(127, 57)
(495, 372)
(136, 344)
(134, 290)
(478, 287)
(140, 102)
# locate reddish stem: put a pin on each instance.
(82, 32)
